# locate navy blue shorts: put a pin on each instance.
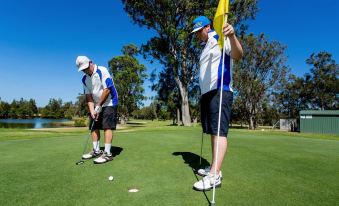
(209, 107)
(107, 119)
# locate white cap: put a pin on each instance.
(82, 62)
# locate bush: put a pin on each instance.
(80, 122)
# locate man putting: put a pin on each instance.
(210, 86)
(102, 101)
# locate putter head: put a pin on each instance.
(80, 162)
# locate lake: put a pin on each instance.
(35, 123)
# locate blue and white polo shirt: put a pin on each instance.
(95, 85)
(211, 65)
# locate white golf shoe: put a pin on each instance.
(91, 154)
(207, 182)
(204, 172)
(103, 158)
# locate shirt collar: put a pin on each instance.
(94, 70)
(211, 34)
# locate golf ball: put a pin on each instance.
(110, 178)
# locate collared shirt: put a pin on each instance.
(97, 82)
(211, 65)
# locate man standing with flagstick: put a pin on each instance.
(220, 48)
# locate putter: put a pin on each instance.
(81, 161)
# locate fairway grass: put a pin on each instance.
(261, 168)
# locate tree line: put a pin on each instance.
(263, 94)
(265, 89)
(55, 109)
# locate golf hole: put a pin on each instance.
(133, 190)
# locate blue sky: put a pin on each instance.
(39, 40)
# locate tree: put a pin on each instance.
(53, 109)
(13, 111)
(18, 109)
(325, 82)
(32, 106)
(152, 111)
(23, 109)
(4, 109)
(69, 110)
(129, 76)
(315, 90)
(174, 47)
(81, 106)
(168, 94)
(292, 95)
(239, 112)
(148, 112)
(270, 114)
(257, 73)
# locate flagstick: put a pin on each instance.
(220, 103)
(202, 143)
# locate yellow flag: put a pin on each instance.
(220, 19)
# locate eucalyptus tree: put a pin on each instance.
(173, 46)
(256, 75)
(129, 76)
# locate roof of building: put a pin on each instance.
(320, 112)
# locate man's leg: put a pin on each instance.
(108, 140)
(221, 152)
(108, 124)
(95, 134)
(106, 156)
(208, 181)
(225, 117)
(96, 140)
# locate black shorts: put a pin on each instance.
(209, 106)
(107, 119)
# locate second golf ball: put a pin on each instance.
(110, 178)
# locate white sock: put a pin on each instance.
(108, 148)
(96, 146)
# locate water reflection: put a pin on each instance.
(31, 123)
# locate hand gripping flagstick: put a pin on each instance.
(222, 7)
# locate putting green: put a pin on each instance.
(261, 168)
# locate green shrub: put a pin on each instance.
(80, 122)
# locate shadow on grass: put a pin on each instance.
(175, 124)
(238, 127)
(193, 160)
(136, 124)
(114, 150)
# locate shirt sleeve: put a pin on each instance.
(86, 89)
(106, 81)
(228, 47)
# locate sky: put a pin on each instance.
(40, 40)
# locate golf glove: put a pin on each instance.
(97, 109)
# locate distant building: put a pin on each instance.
(319, 121)
(290, 125)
